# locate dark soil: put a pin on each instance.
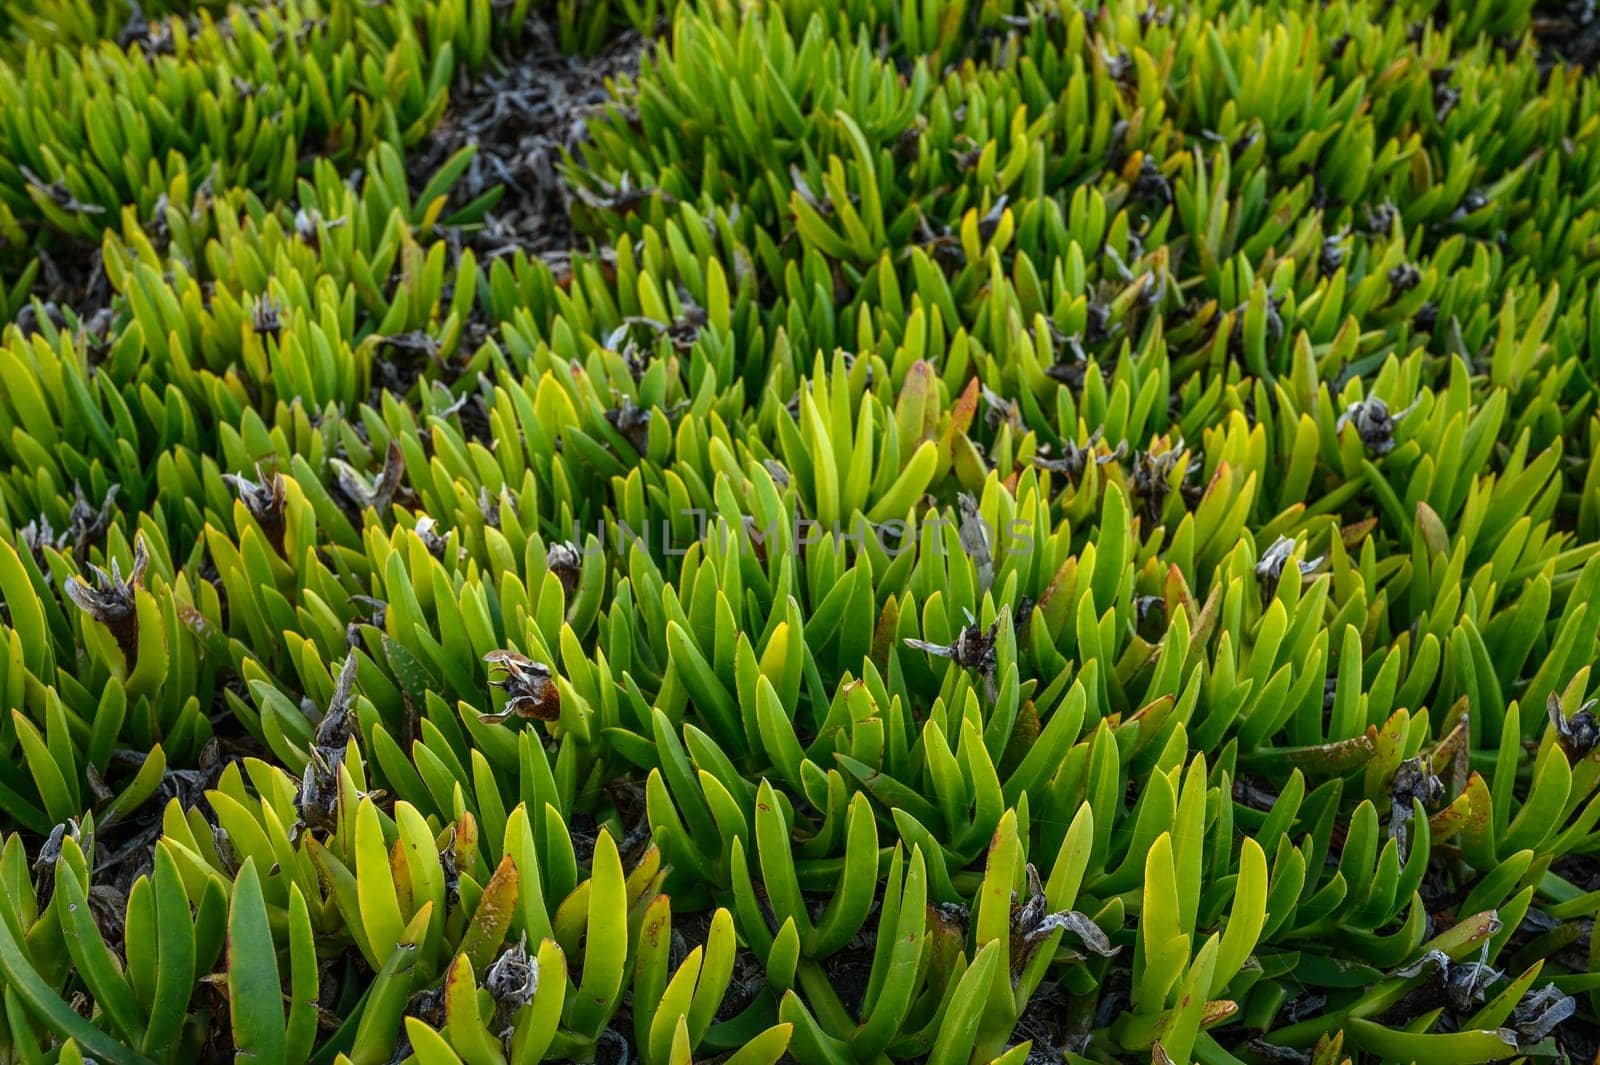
(70, 278)
(524, 117)
(1568, 31)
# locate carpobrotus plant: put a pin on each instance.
(961, 531)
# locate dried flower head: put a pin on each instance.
(529, 686)
(564, 560)
(1074, 459)
(1032, 923)
(378, 494)
(266, 317)
(1579, 734)
(1413, 780)
(87, 524)
(975, 540)
(512, 980)
(1404, 278)
(1331, 257)
(264, 499)
(1373, 422)
(1151, 479)
(1151, 186)
(973, 649)
(111, 601)
(1461, 984)
(1269, 570)
(632, 421)
(1540, 1012)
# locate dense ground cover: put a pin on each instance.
(932, 531)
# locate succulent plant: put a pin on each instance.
(983, 533)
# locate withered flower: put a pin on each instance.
(975, 541)
(427, 531)
(37, 535)
(632, 421)
(1151, 481)
(998, 411)
(87, 524)
(317, 800)
(381, 492)
(1470, 204)
(223, 843)
(1151, 186)
(530, 688)
(512, 981)
(50, 850)
(566, 563)
(339, 723)
(1274, 325)
(1269, 570)
(991, 219)
(1445, 99)
(308, 226)
(1075, 459)
(905, 145)
(1462, 983)
(1540, 1012)
(489, 507)
(1578, 735)
(1032, 923)
(940, 242)
(1404, 278)
(59, 194)
(266, 317)
(1373, 423)
(973, 649)
(1071, 368)
(1381, 219)
(1426, 318)
(1332, 255)
(264, 499)
(1414, 780)
(427, 1006)
(1151, 614)
(111, 601)
(1096, 322)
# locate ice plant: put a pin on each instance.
(968, 532)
